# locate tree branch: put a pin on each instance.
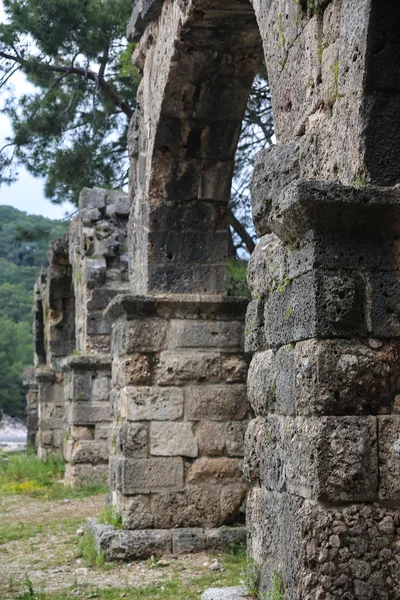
(102, 83)
(240, 230)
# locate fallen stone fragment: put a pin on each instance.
(230, 593)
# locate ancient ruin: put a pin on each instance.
(322, 454)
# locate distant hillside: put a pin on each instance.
(24, 240)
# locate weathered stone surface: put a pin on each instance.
(343, 377)
(87, 451)
(131, 439)
(261, 383)
(135, 511)
(86, 474)
(227, 336)
(188, 540)
(175, 368)
(214, 471)
(127, 545)
(216, 402)
(131, 370)
(139, 335)
(389, 457)
(274, 169)
(150, 403)
(234, 369)
(324, 549)
(338, 458)
(173, 439)
(197, 505)
(136, 476)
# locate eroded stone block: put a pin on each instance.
(216, 402)
(173, 439)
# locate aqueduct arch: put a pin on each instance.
(321, 458)
(183, 140)
(322, 453)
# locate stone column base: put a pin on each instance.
(130, 544)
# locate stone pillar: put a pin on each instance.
(322, 454)
(179, 398)
(50, 413)
(87, 419)
(54, 331)
(100, 271)
(179, 418)
(31, 410)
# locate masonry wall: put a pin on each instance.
(54, 329)
(321, 455)
(179, 411)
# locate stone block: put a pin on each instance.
(150, 403)
(119, 544)
(101, 389)
(389, 458)
(211, 437)
(255, 330)
(131, 439)
(131, 370)
(227, 593)
(86, 474)
(343, 377)
(232, 499)
(234, 369)
(135, 511)
(90, 198)
(235, 432)
(265, 267)
(261, 382)
(138, 335)
(328, 459)
(216, 335)
(173, 368)
(173, 439)
(102, 432)
(225, 537)
(196, 506)
(188, 540)
(82, 413)
(89, 451)
(216, 402)
(96, 324)
(274, 169)
(144, 475)
(325, 550)
(94, 272)
(317, 304)
(215, 471)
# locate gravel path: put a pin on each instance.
(49, 556)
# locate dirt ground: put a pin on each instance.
(47, 553)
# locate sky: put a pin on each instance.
(27, 193)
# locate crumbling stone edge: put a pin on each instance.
(130, 544)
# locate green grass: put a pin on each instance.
(172, 588)
(88, 552)
(23, 473)
(21, 531)
(109, 516)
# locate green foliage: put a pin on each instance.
(72, 128)
(109, 516)
(20, 260)
(23, 473)
(237, 283)
(88, 552)
(251, 579)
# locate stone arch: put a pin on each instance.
(184, 137)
